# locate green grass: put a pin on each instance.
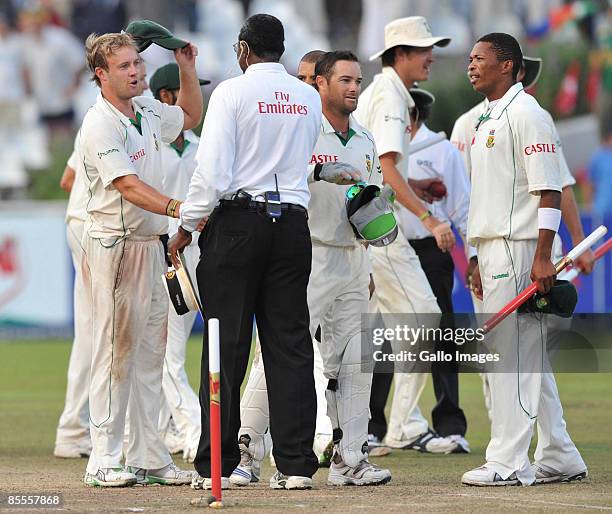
(32, 385)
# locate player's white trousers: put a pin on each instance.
(130, 318)
(337, 297)
(402, 288)
(182, 401)
(515, 384)
(73, 427)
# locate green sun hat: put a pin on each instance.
(145, 32)
(167, 77)
(561, 300)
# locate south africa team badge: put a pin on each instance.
(368, 160)
(491, 139)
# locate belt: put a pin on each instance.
(252, 205)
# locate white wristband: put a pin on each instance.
(549, 218)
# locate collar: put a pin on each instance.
(503, 103)
(399, 86)
(423, 133)
(109, 108)
(353, 125)
(266, 66)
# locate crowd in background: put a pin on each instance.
(45, 90)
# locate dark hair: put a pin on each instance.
(389, 55)
(265, 36)
(506, 48)
(325, 65)
(313, 56)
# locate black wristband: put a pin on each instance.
(317, 171)
(184, 231)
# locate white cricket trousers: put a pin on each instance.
(130, 318)
(73, 426)
(402, 288)
(182, 402)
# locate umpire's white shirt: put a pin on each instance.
(110, 147)
(262, 123)
(328, 221)
(384, 109)
(443, 161)
(514, 156)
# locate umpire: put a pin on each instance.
(251, 179)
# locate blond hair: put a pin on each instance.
(99, 48)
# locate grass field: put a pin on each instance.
(32, 386)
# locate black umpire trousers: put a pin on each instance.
(252, 267)
(447, 417)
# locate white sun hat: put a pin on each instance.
(411, 31)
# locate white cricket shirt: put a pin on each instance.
(514, 155)
(328, 221)
(178, 167)
(443, 161)
(111, 146)
(79, 194)
(384, 109)
(259, 124)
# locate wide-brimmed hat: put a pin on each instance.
(168, 77)
(411, 31)
(421, 97)
(533, 68)
(145, 32)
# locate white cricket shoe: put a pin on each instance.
(168, 475)
(365, 473)
(199, 482)
(280, 481)
(462, 445)
(427, 442)
(243, 473)
(73, 451)
(544, 476)
(485, 477)
(110, 477)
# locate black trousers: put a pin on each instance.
(253, 267)
(447, 417)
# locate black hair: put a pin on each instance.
(313, 56)
(506, 48)
(325, 65)
(389, 56)
(265, 36)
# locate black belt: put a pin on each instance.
(251, 205)
(422, 244)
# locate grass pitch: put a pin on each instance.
(32, 385)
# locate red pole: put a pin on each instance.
(214, 375)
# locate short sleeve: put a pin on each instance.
(172, 122)
(388, 126)
(104, 150)
(537, 146)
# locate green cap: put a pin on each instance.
(145, 32)
(168, 77)
(560, 300)
(533, 67)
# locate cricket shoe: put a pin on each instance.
(72, 451)
(462, 445)
(544, 476)
(255, 471)
(365, 473)
(428, 442)
(168, 475)
(485, 477)
(243, 473)
(376, 448)
(199, 482)
(110, 477)
(280, 481)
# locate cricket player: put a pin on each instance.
(306, 67)
(120, 152)
(338, 287)
(401, 285)
(72, 438)
(513, 218)
(178, 162)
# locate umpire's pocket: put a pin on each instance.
(233, 248)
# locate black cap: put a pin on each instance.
(168, 77)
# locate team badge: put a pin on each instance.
(491, 139)
(368, 163)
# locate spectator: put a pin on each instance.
(97, 16)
